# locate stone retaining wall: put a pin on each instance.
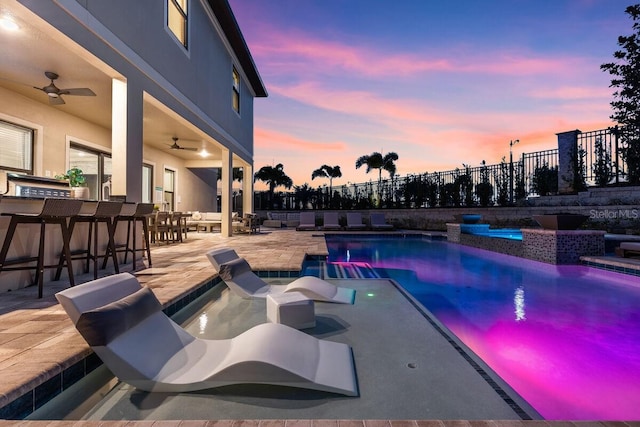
(616, 219)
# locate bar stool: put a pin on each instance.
(105, 212)
(140, 214)
(54, 211)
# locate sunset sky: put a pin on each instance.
(439, 82)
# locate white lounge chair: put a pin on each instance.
(241, 280)
(307, 221)
(379, 222)
(124, 324)
(354, 221)
(331, 221)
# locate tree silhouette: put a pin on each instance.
(380, 162)
(326, 171)
(626, 103)
(273, 177)
(377, 161)
(237, 174)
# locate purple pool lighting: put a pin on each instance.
(566, 338)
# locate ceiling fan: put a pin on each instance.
(55, 93)
(175, 145)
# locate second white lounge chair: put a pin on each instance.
(379, 222)
(239, 277)
(354, 221)
(307, 221)
(331, 221)
(124, 324)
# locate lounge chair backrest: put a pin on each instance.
(377, 218)
(98, 293)
(237, 274)
(307, 218)
(102, 325)
(354, 218)
(217, 257)
(330, 218)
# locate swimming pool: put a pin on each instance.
(566, 338)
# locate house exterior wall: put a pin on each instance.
(130, 37)
(202, 72)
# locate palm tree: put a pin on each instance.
(380, 162)
(326, 171)
(377, 161)
(273, 177)
(237, 174)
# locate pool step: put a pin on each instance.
(340, 270)
(350, 270)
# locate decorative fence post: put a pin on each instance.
(567, 152)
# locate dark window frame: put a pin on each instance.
(185, 20)
(235, 97)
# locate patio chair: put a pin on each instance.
(331, 221)
(241, 280)
(307, 221)
(354, 221)
(379, 222)
(628, 249)
(124, 324)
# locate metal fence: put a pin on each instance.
(598, 160)
(602, 160)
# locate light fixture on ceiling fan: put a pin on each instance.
(55, 93)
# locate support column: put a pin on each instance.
(226, 192)
(247, 188)
(126, 140)
(567, 152)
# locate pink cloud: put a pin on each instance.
(292, 52)
(572, 93)
(267, 139)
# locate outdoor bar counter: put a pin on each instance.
(25, 241)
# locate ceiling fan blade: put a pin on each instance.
(189, 148)
(56, 101)
(80, 91)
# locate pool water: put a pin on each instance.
(566, 338)
(502, 233)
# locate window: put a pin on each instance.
(177, 19)
(235, 100)
(96, 167)
(147, 183)
(16, 146)
(169, 189)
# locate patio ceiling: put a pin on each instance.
(36, 47)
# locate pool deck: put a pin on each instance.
(38, 341)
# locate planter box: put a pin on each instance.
(560, 221)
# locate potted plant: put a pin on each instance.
(77, 180)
